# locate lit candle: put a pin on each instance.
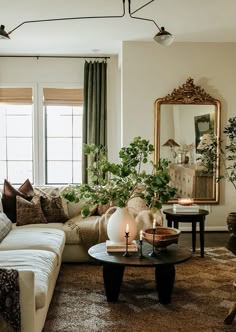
(141, 235)
(127, 228)
(154, 223)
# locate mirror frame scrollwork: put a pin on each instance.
(188, 94)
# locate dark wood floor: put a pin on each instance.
(212, 239)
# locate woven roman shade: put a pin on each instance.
(19, 96)
(72, 97)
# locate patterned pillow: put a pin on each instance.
(52, 208)
(5, 225)
(9, 197)
(29, 212)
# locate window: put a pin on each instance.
(63, 144)
(16, 135)
(59, 161)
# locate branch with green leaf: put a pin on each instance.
(117, 183)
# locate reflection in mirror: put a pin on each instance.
(184, 121)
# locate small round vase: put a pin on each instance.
(231, 222)
(117, 225)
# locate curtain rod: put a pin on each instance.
(55, 56)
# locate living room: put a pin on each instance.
(139, 71)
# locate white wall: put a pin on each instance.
(150, 71)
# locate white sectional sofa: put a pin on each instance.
(37, 251)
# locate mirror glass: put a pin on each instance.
(183, 120)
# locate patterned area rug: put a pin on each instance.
(202, 296)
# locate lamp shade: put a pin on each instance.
(170, 143)
(3, 33)
(163, 37)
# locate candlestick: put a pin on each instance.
(153, 253)
(126, 254)
(141, 249)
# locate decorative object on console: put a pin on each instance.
(163, 37)
(162, 238)
(9, 197)
(172, 144)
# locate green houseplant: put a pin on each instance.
(117, 183)
(225, 156)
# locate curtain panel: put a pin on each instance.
(95, 108)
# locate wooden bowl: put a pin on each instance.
(163, 238)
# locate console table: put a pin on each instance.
(114, 264)
(191, 217)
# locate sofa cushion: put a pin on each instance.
(35, 238)
(9, 197)
(42, 263)
(29, 212)
(52, 208)
(5, 225)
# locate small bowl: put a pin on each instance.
(185, 201)
(164, 237)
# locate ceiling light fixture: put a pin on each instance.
(163, 37)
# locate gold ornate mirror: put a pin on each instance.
(183, 119)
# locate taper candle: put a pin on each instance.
(141, 235)
(127, 228)
(154, 223)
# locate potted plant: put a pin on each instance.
(225, 156)
(117, 183)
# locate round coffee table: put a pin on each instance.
(114, 264)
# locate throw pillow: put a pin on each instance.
(29, 212)
(9, 197)
(52, 208)
(5, 225)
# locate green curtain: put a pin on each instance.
(95, 108)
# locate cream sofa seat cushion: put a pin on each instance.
(35, 238)
(42, 263)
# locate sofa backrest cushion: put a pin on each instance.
(29, 212)
(9, 197)
(5, 225)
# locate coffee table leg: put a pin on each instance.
(112, 277)
(165, 278)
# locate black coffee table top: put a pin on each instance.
(170, 212)
(173, 255)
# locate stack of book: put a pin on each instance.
(178, 208)
(121, 247)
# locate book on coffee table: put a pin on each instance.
(121, 247)
(177, 208)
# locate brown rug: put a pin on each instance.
(201, 299)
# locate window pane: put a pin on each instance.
(19, 148)
(3, 153)
(2, 122)
(3, 171)
(59, 172)
(59, 126)
(18, 171)
(77, 151)
(59, 149)
(59, 110)
(77, 126)
(19, 126)
(77, 172)
(18, 109)
(78, 110)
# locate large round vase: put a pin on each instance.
(117, 225)
(231, 222)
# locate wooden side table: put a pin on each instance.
(195, 217)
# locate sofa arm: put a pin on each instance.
(27, 301)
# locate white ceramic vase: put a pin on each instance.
(117, 225)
